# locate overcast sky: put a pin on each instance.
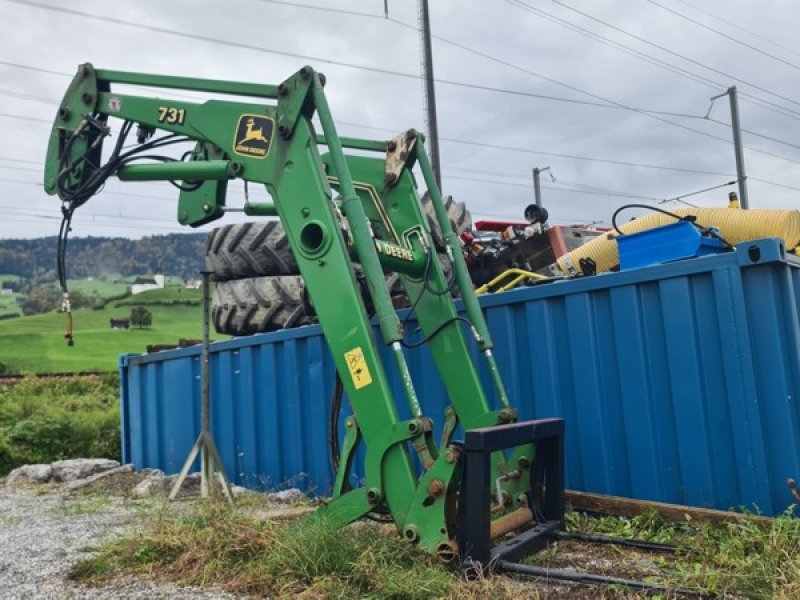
(491, 138)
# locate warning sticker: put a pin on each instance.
(357, 366)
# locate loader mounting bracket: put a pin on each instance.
(545, 497)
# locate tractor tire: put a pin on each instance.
(262, 304)
(259, 304)
(251, 249)
(261, 248)
(460, 218)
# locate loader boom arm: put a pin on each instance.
(377, 222)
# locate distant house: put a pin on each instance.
(144, 284)
(194, 284)
(8, 292)
(122, 323)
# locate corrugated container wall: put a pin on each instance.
(678, 383)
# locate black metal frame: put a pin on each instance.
(546, 496)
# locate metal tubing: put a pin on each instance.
(741, 176)
(219, 86)
(357, 143)
(205, 424)
(463, 279)
(510, 522)
(617, 541)
(591, 578)
(261, 209)
(356, 218)
(405, 377)
(496, 379)
(198, 170)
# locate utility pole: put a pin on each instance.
(737, 144)
(430, 94)
(537, 190)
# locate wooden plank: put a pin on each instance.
(628, 507)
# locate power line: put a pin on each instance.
(553, 18)
(725, 35)
(708, 189)
(739, 28)
(341, 11)
(297, 55)
(756, 134)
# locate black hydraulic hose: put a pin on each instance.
(616, 541)
(591, 578)
(690, 218)
(333, 423)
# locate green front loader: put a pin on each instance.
(451, 498)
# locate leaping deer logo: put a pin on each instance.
(252, 133)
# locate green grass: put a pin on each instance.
(8, 304)
(97, 288)
(305, 559)
(168, 295)
(309, 558)
(36, 344)
(42, 421)
(744, 558)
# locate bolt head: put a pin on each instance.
(436, 488)
(392, 146)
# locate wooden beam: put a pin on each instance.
(628, 507)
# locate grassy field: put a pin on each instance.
(8, 304)
(97, 288)
(36, 344)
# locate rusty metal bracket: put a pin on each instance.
(398, 153)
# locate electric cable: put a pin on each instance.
(723, 34)
(689, 218)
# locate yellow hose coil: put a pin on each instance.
(736, 226)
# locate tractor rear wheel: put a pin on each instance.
(249, 249)
(259, 304)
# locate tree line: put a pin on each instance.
(175, 253)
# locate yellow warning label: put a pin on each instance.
(357, 366)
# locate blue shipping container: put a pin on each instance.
(679, 383)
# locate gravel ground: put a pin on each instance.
(43, 532)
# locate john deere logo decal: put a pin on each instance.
(253, 136)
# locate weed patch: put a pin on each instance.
(307, 558)
(42, 421)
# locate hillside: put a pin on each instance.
(178, 254)
(36, 344)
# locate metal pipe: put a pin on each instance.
(357, 143)
(261, 209)
(537, 188)
(591, 578)
(430, 90)
(510, 522)
(496, 379)
(463, 280)
(233, 88)
(357, 220)
(405, 377)
(744, 201)
(197, 170)
(205, 395)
